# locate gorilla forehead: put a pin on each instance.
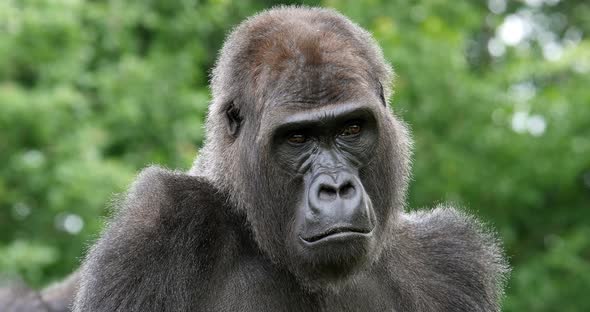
(312, 65)
(295, 41)
(306, 87)
(304, 37)
(298, 54)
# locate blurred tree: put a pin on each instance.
(495, 93)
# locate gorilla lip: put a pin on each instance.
(337, 233)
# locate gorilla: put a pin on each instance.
(297, 199)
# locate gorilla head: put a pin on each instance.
(301, 135)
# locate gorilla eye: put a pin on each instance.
(297, 138)
(351, 129)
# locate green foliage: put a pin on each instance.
(92, 91)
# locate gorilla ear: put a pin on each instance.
(381, 96)
(234, 120)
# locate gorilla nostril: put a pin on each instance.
(347, 190)
(327, 193)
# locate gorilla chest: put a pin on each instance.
(260, 288)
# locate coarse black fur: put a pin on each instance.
(310, 219)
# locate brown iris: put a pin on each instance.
(351, 130)
(297, 138)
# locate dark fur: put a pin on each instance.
(213, 239)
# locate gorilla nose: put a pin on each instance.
(337, 203)
(333, 191)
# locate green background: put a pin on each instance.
(497, 94)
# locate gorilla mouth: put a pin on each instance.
(337, 232)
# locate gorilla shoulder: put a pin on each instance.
(466, 269)
(165, 223)
(161, 201)
(159, 195)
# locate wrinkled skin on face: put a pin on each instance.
(323, 152)
(330, 201)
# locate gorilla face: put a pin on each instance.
(321, 167)
(322, 151)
